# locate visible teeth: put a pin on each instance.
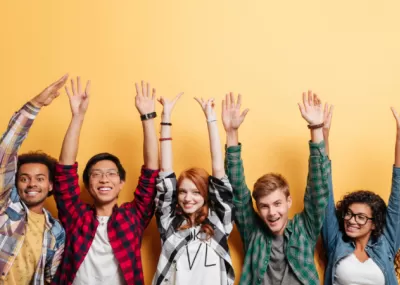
(32, 193)
(104, 188)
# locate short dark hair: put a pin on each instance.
(38, 157)
(374, 201)
(99, 157)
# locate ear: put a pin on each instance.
(51, 187)
(289, 201)
(121, 184)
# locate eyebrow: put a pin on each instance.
(102, 169)
(26, 174)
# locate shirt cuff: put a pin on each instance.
(234, 149)
(317, 149)
(63, 168)
(149, 173)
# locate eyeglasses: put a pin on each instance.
(110, 174)
(360, 219)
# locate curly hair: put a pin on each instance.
(200, 178)
(41, 158)
(374, 201)
(378, 208)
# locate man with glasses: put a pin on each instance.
(104, 239)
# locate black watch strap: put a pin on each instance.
(148, 116)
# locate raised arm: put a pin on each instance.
(392, 229)
(218, 170)
(165, 138)
(67, 188)
(330, 228)
(143, 204)
(145, 103)
(16, 133)
(166, 183)
(317, 191)
(245, 216)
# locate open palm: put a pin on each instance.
(232, 118)
(78, 99)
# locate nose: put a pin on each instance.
(187, 197)
(352, 220)
(103, 178)
(32, 183)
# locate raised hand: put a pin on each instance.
(396, 116)
(78, 99)
(145, 98)
(231, 116)
(208, 108)
(311, 109)
(168, 105)
(50, 93)
(328, 112)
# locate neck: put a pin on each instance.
(105, 209)
(38, 209)
(361, 242)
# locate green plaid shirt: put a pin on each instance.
(301, 232)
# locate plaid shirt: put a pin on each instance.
(301, 232)
(13, 212)
(125, 226)
(220, 217)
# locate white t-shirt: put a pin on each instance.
(100, 265)
(199, 264)
(351, 271)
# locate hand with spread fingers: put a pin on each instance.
(50, 93)
(231, 116)
(208, 108)
(168, 105)
(145, 98)
(311, 109)
(78, 98)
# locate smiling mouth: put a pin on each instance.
(273, 221)
(104, 189)
(32, 193)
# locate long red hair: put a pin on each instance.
(200, 178)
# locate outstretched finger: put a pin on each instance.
(244, 113)
(60, 82)
(87, 88)
(67, 91)
(144, 89)
(73, 88)
(199, 101)
(395, 114)
(239, 101)
(177, 97)
(138, 90)
(310, 98)
(232, 99)
(154, 94)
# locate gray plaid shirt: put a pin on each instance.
(220, 217)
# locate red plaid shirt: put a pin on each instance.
(125, 226)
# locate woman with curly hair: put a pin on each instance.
(194, 212)
(362, 235)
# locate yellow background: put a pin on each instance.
(269, 51)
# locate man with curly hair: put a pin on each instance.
(32, 241)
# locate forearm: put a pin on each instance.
(397, 150)
(70, 145)
(326, 139)
(317, 135)
(232, 138)
(216, 152)
(166, 145)
(150, 146)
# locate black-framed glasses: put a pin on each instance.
(360, 219)
(110, 174)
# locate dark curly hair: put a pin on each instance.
(374, 201)
(41, 158)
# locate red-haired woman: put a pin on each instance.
(194, 212)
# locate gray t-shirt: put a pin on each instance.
(279, 271)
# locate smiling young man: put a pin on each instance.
(278, 250)
(32, 241)
(104, 239)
